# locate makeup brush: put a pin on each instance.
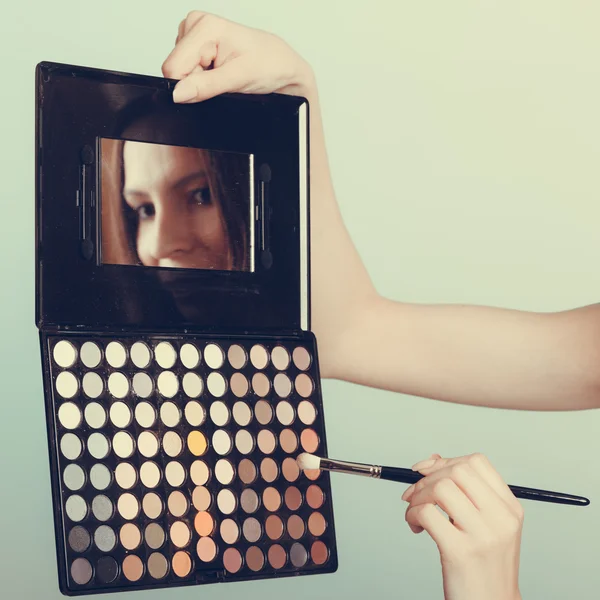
(311, 462)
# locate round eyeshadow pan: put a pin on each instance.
(81, 571)
(282, 385)
(280, 358)
(263, 412)
(168, 384)
(90, 355)
(261, 384)
(239, 385)
(296, 527)
(189, 356)
(277, 556)
(201, 498)
(125, 475)
(64, 354)
(92, 385)
(226, 501)
(204, 524)
(142, 385)
(148, 444)
(222, 442)
(213, 356)
(285, 413)
(98, 446)
(165, 355)
(317, 524)
(288, 441)
(309, 440)
(199, 472)
(178, 504)
(247, 471)
(182, 564)
(74, 477)
(319, 553)
(71, 446)
(180, 534)
(140, 355)
(304, 385)
(290, 469)
(152, 505)
(120, 415)
(244, 441)
(116, 356)
(237, 356)
(269, 470)
(79, 539)
(172, 444)
(298, 555)
(170, 414)
(219, 413)
(100, 477)
(232, 560)
(271, 499)
(133, 568)
(307, 412)
(249, 501)
(224, 471)
(301, 358)
(175, 473)
(66, 384)
(102, 508)
(274, 527)
(266, 441)
(259, 357)
(252, 529)
(105, 538)
(158, 567)
(69, 415)
(118, 385)
(206, 549)
(229, 530)
(314, 496)
(255, 559)
(293, 498)
(150, 474)
(130, 536)
(123, 444)
(76, 508)
(154, 535)
(145, 414)
(95, 415)
(194, 413)
(242, 413)
(192, 385)
(197, 442)
(128, 506)
(216, 384)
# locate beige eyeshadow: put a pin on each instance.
(194, 413)
(180, 534)
(90, 355)
(206, 549)
(172, 444)
(120, 415)
(304, 385)
(133, 568)
(199, 472)
(152, 505)
(148, 444)
(263, 412)
(155, 536)
(142, 385)
(242, 413)
(150, 474)
(182, 564)
(189, 356)
(219, 413)
(269, 470)
(282, 385)
(226, 501)
(158, 566)
(285, 413)
(125, 475)
(178, 504)
(309, 440)
(123, 444)
(280, 358)
(249, 501)
(170, 414)
(128, 506)
(259, 356)
(192, 385)
(213, 356)
(64, 354)
(175, 473)
(222, 442)
(145, 414)
(92, 384)
(130, 536)
(224, 471)
(140, 355)
(261, 384)
(271, 499)
(244, 441)
(115, 353)
(69, 415)
(239, 385)
(216, 384)
(237, 356)
(296, 527)
(317, 524)
(201, 498)
(290, 469)
(118, 385)
(165, 355)
(229, 530)
(252, 529)
(307, 412)
(67, 384)
(266, 441)
(288, 441)
(168, 384)
(301, 358)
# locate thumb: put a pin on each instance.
(202, 85)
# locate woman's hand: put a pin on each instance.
(480, 542)
(213, 56)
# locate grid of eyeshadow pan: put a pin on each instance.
(177, 458)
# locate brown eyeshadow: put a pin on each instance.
(288, 441)
(249, 501)
(314, 496)
(290, 470)
(317, 524)
(274, 527)
(133, 568)
(319, 553)
(232, 560)
(271, 499)
(247, 471)
(293, 498)
(277, 556)
(263, 412)
(239, 385)
(269, 470)
(261, 384)
(255, 559)
(296, 527)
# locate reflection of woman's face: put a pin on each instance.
(179, 224)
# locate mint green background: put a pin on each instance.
(464, 140)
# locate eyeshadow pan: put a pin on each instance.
(125, 475)
(102, 508)
(120, 415)
(242, 413)
(288, 441)
(154, 535)
(252, 529)
(158, 566)
(259, 357)
(168, 384)
(165, 355)
(216, 384)
(116, 356)
(285, 413)
(280, 358)
(222, 442)
(172, 444)
(192, 385)
(296, 527)
(128, 506)
(269, 470)
(249, 501)
(180, 534)
(247, 471)
(95, 415)
(98, 445)
(206, 549)
(152, 505)
(304, 385)
(197, 442)
(204, 524)
(237, 356)
(244, 441)
(79, 539)
(175, 473)
(232, 560)
(255, 559)
(298, 555)
(130, 536)
(224, 471)
(189, 356)
(226, 501)
(314, 496)
(301, 358)
(148, 444)
(239, 385)
(219, 413)
(140, 355)
(293, 498)
(319, 553)
(142, 385)
(90, 355)
(307, 412)
(118, 385)
(92, 384)
(81, 571)
(71, 446)
(261, 384)
(182, 564)
(290, 469)
(229, 530)
(100, 477)
(145, 414)
(170, 414)
(178, 504)
(133, 567)
(271, 499)
(317, 524)
(266, 441)
(74, 477)
(201, 498)
(274, 527)
(199, 472)
(66, 384)
(69, 415)
(277, 556)
(263, 412)
(282, 385)
(312, 474)
(213, 356)
(194, 413)
(105, 538)
(123, 444)
(309, 440)
(107, 569)
(76, 508)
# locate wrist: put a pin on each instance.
(303, 82)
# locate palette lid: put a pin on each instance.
(157, 216)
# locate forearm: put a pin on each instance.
(475, 355)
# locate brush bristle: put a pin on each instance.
(308, 461)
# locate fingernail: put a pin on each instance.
(415, 529)
(184, 91)
(424, 464)
(408, 493)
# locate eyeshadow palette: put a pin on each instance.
(177, 459)
(181, 378)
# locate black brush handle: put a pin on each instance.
(525, 493)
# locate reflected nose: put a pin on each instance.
(172, 233)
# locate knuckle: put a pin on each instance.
(441, 487)
(459, 471)
(477, 460)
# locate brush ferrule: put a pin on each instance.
(329, 464)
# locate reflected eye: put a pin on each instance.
(146, 211)
(200, 196)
